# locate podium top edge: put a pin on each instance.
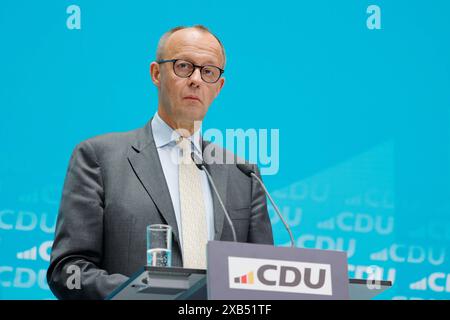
(362, 281)
(174, 270)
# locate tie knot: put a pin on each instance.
(184, 143)
(185, 146)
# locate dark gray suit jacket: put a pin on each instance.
(114, 188)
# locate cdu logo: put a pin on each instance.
(247, 278)
(279, 275)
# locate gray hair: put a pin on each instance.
(165, 36)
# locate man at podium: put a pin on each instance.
(117, 184)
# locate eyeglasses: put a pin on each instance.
(184, 69)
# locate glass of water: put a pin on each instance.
(159, 245)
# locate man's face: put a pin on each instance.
(185, 100)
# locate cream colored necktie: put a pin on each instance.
(193, 213)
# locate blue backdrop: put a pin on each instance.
(360, 96)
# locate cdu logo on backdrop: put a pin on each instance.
(279, 276)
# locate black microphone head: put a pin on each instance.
(198, 162)
(245, 168)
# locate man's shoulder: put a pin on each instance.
(112, 142)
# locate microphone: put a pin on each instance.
(201, 166)
(248, 171)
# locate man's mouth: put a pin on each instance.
(190, 97)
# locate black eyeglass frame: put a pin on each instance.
(193, 70)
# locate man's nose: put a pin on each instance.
(196, 77)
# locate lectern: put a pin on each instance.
(243, 271)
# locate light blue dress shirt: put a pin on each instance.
(165, 139)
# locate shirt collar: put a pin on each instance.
(163, 134)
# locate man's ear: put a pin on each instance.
(219, 87)
(155, 73)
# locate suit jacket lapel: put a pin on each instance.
(145, 162)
